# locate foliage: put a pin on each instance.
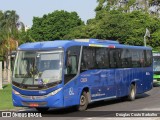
(55, 25)
(127, 28)
(10, 28)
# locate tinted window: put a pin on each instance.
(94, 58)
(115, 58)
(88, 58)
(102, 60)
(141, 58)
(126, 58)
(135, 58)
(148, 58)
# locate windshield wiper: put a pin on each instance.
(22, 75)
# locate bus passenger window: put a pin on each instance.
(135, 59)
(141, 58)
(102, 60)
(115, 61)
(88, 58)
(148, 58)
(126, 58)
(112, 59)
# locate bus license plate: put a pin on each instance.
(33, 104)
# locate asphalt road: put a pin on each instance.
(149, 101)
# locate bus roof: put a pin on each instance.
(78, 42)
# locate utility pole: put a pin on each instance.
(147, 34)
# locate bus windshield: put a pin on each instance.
(156, 63)
(38, 67)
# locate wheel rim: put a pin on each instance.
(132, 93)
(83, 100)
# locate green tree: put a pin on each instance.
(55, 25)
(9, 33)
(127, 28)
(115, 24)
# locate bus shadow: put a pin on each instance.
(144, 95)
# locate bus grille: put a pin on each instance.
(34, 97)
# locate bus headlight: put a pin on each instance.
(15, 92)
(55, 92)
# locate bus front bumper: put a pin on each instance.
(52, 101)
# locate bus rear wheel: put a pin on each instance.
(83, 101)
(132, 92)
(42, 110)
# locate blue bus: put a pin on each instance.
(63, 73)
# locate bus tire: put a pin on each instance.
(132, 92)
(42, 110)
(83, 101)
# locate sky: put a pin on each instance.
(27, 9)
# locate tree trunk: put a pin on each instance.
(1, 87)
(5, 70)
(9, 68)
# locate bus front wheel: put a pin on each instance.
(83, 101)
(132, 92)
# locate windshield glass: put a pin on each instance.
(156, 64)
(38, 67)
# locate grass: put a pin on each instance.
(6, 98)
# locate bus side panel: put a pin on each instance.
(71, 93)
(123, 81)
(119, 78)
(143, 78)
(148, 78)
(109, 84)
(96, 82)
(138, 79)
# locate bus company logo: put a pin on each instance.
(33, 97)
(71, 91)
(6, 114)
(83, 79)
